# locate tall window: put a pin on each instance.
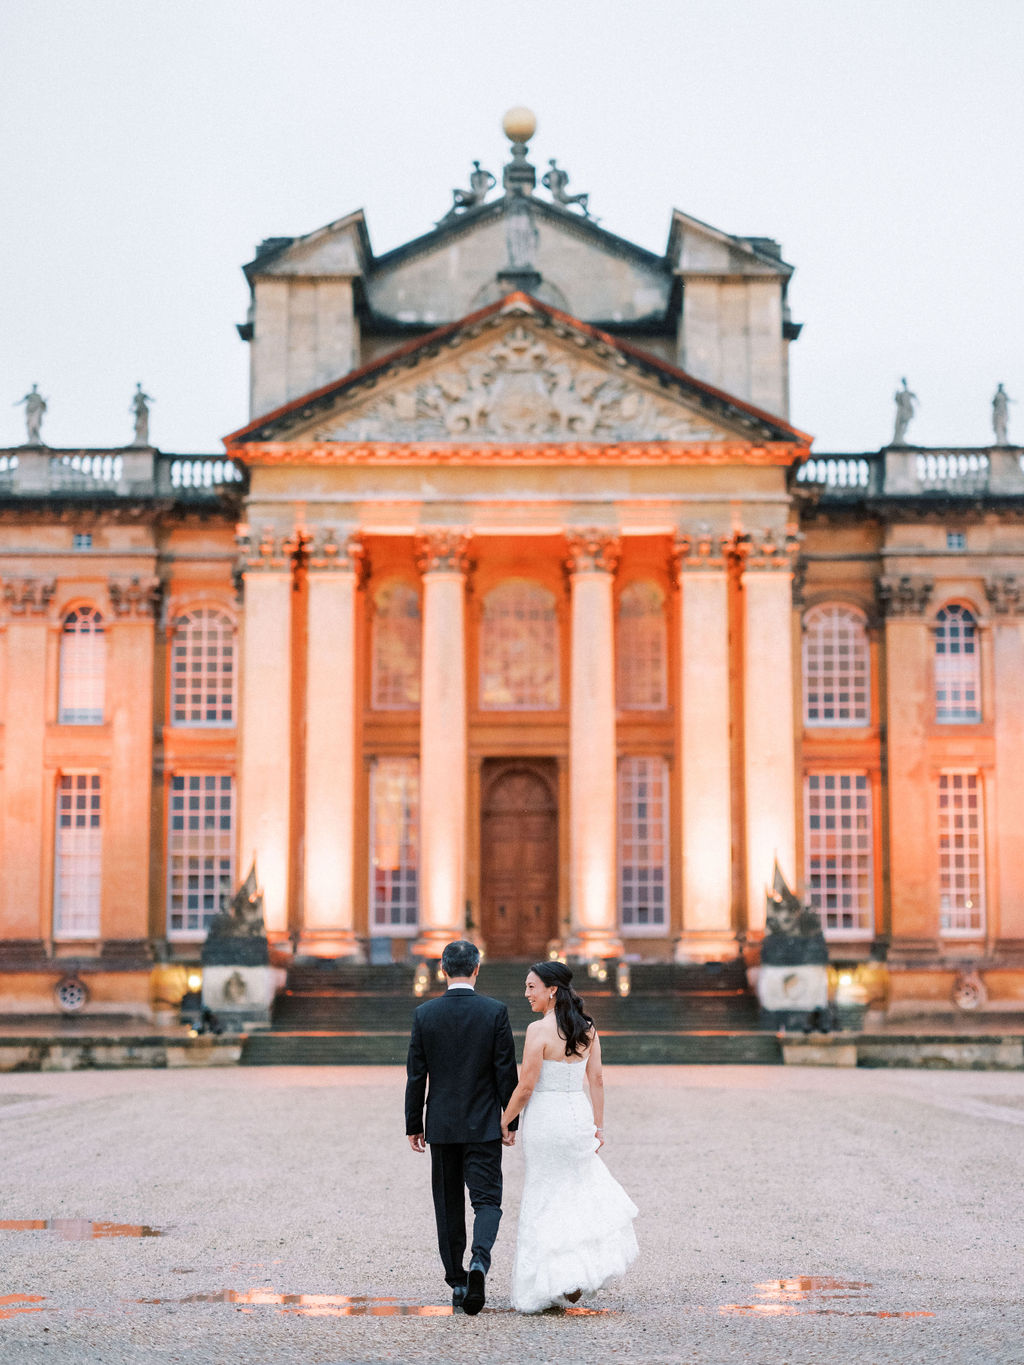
(642, 647)
(83, 668)
(200, 850)
(203, 668)
(394, 846)
(957, 666)
(961, 854)
(519, 649)
(837, 667)
(77, 854)
(837, 808)
(643, 845)
(396, 648)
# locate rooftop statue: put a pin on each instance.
(905, 401)
(140, 409)
(520, 235)
(555, 180)
(35, 406)
(1001, 415)
(481, 182)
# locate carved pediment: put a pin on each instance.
(520, 385)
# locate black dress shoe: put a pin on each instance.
(475, 1295)
(458, 1295)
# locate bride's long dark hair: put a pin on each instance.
(574, 1023)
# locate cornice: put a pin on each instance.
(422, 454)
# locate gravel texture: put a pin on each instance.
(795, 1216)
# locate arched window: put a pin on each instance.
(641, 650)
(203, 668)
(396, 648)
(83, 668)
(957, 666)
(519, 649)
(837, 667)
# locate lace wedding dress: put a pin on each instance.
(575, 1220)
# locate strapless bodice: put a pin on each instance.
(564, 1078)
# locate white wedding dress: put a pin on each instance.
(575, 1220)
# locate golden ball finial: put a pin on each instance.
(519, 124)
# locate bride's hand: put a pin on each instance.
(508, 1139)
(599, 1134)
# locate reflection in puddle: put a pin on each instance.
(796, 1297)
(11, 1304)
(78, 1229)
(337, 1305)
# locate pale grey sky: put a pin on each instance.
(147, 145)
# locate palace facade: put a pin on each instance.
(518, 609)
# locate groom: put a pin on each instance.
(462, 1043)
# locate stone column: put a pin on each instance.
(328, 873)
(127, 796)
(1006, 922)
(593, 826)
(443, 560)
(704, 748)
(265, 730)
(27, 786)
(769, 763)
(909, 701)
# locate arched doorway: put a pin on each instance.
(519, 857)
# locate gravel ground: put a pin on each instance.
(796, 1216)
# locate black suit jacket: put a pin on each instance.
(462, 1042)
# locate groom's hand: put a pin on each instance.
(508, 1139)
(416, 1142)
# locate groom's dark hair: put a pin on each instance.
(460, 958)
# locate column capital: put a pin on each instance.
(327, 552)
(766, 550)
(701, 552)
(1005, 595)
(591, 550)
(268, 550)
(903, 595)
(443, 550)
(29, 596)
(135, 596)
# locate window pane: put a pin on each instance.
(83, 668)
(203, 669)
(643, 843)
(837, 667)
(957, 666)
(396, 648)
(519, 649)
(838, 844)
(200, 850)
(394, 846)
(77, 851)
(641, 649)
(961, 861)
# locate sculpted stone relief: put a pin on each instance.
(520, 389)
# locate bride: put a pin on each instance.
(575, 1220)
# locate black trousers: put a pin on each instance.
(456, 1167)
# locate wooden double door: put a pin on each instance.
(519, 857)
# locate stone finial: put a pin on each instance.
(443, 550)
(325, 552)
(592, 550)
(29, 596)
(519, 177)
(35, 407)
(135, 596)
(903, 596)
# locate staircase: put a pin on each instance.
(348, 1014)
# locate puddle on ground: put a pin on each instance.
(78, 1229)
(806, 1295)
(338, 1305)
(12, 1304)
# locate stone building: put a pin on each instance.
(517, 608)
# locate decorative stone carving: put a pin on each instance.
(325, 552)
(904, 596)
(905, 407)
(792, 980)
(35, 407)
(481, 182)
(443, 550)
(270, 550)
(701, 551)
(592, 550)
(766, 550)
(29, 596)
(135, 596)
(555, 181)
(1001, 401)
(1005, 595)
(140, 411)
(520, 388)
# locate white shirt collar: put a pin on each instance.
(462, 986)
